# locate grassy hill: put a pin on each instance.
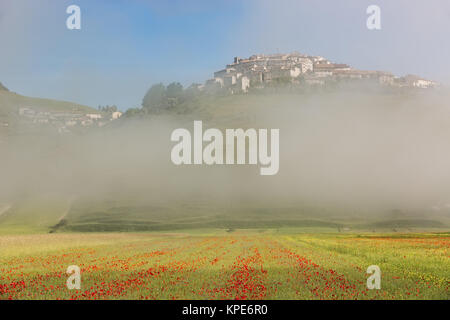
(2, 87)
(32, 215)
(50, 213)
(10, 104)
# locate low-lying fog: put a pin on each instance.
(367, 151)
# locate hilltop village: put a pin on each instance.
(261, 70)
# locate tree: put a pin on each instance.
(132, 112)
(192, 91)
(174, 94)
(107, 108)
(155, 98)
(174, 90)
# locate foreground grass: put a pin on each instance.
(214, 264)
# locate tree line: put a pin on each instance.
(160, 98)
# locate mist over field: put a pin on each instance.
(340, 152)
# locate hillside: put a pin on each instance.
(11, 103)
(49, 214)
(2, 87)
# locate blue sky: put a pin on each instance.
(125, 46)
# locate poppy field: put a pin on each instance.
(244, 264)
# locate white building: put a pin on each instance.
(295, 72)
(94, 116)
(116, 115)
(245, 84)
(305, 64)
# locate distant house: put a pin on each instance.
(416, 81)
(245, 84)
(116, 115)
(94, 116)
(330, 67)
(306, 65)
(26, 111)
